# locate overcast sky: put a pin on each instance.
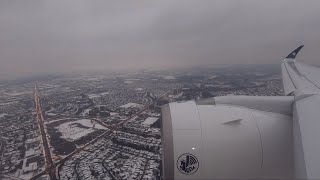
(60, 36)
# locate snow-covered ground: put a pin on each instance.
(131, 105)
(2, 115)
(51, 114)
(128, 82)
(85, 112)
(31, 152)
(32, 140)
(17, 93)
(70, 131)
(8, 103)
(139, 89)
(105, 93)
(113, 113)
(91, 96)
(48, 122)
(150, 120)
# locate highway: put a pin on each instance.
(49, 165)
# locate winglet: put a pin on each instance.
(294, 53)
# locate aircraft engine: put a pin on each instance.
(225, 142)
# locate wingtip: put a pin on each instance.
(294, 53)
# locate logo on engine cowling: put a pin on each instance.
(187, 164)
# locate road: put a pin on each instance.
(2, 145)
(50, 167)
(129, 118)
(139, 112)
(144, 169)
(82, 147)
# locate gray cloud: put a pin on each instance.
(61, 36)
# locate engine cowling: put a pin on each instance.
(225, 142)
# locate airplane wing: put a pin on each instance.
(246, 137)
(305, 81)
(298, 76)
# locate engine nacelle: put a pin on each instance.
(225, 142)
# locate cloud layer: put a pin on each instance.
(61, 36)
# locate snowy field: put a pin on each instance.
(85, 112)
(91, 96)
(72, 131)
(2, 115)
(17, 93)
(139, 89)
(150, 120)
(51, 114)
(132, 105)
